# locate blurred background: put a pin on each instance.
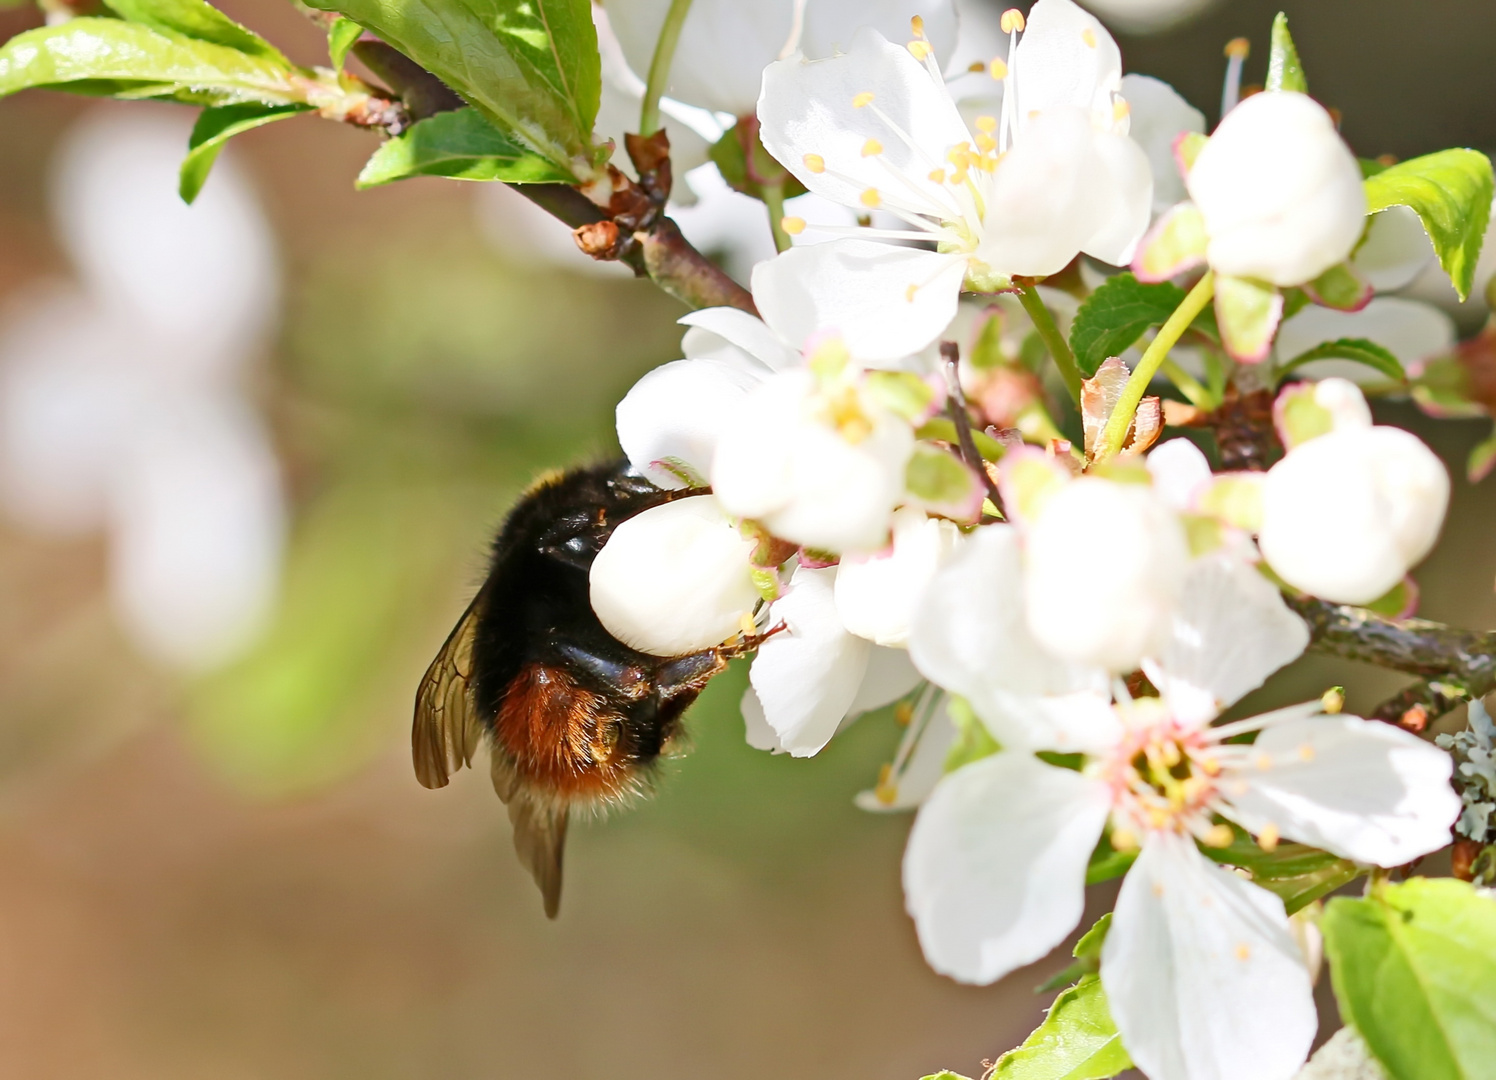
(250, 457)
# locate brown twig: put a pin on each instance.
(960, 412)
(1455, 665)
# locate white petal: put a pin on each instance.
(886, 302)
(806, 108)
(1158, 117)
(923, 764)
(1202, 974)
(1365, 790)
(750, 334)
(830, 24)
(674, 579)
(970, 636)
(807, 676)
(1395, 251)
(756, 725)
(889, 676)
(723, 47)
(1105, 567)
(1067, 58)
(1180, 471)
(1124, 192)
(995, 870)
(1412, 330)
(673, 415)
(877, 595)
(1231, 631)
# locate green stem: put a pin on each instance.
(774, 200)
(1049, 333)
(1137, 383)
(659, 67)
(1195, 393)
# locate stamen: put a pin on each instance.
(998, 68)
(917, 25)
(871, 199)
(903, 712)
(1306, 753)
(1333, 700)
(975, 66)
(937, 176)
(1219, 836)
(987, 124)
(886, 792)
(792, 225)
(1244, 951)
(1089, 37)
(747, 625)
(862, 100)
(1263, 761)
(815, 163)
(920, 50)
(910, 293)
(1124, 840)
(1267, 838)
(1012, 21)
(1121, 110)
(871, 147)
(1236, 56)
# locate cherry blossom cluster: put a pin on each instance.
(875, 488)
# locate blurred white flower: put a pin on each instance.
(1413, 331)
(1023, 193)
(994, 873)
(675, 579)
(1159, 116)
(1279, 191)
(725, 44)
(1346, 514)
(120, 401)
(876, 595)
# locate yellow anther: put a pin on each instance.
(862, 100)
(1306, 752)
(976, 66)
(747, 625)
(910, 293)
(986, 142)
(937, 176)
(1121, 110)
(1012, 21)
(920, 50)
(903, 712)
(1244, 951)
(1219, 836)
(987, 124)
(885, 792)
(998, 68)
(1124, 840)
(815, 163)
(1210, 766)
(792, 225)
(1268, 837)
(1089, 37)
(871, 199)
(1238, 48)
(871, 147)
(917, 26)
(1333, 700)
(1157, 818)
(1263, 761)
(1170, 754)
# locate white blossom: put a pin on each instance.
(1413, 331)
(876, 595)
(995, 869)
(675, 579)
(1054, 175)
(1159, 116)
(1345, 515)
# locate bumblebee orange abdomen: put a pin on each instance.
(563, 738)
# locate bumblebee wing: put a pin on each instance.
(446, 731)
(540, 840)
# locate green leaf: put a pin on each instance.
(1361, 350)
(1296, 873)
(1107, 862)
(1284, 71)
(1451, 192)
(973, 741)
(341, 36)
(945, 1074)
(1115, 316)
(199, 20)
(531, 66)
(1087, 953)
(1077, 1041)
(1414, 969)
(462, 144)
(110, 56)
(1341, 288)
(214, 128)
(1482, 459)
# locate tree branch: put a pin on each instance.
(1455, 665)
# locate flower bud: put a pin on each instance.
(1280, 191)
(876, 596)
(675, 579)
(1347, 514)
(818, 466)
(1105, 567)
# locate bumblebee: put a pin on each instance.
(575, 720)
